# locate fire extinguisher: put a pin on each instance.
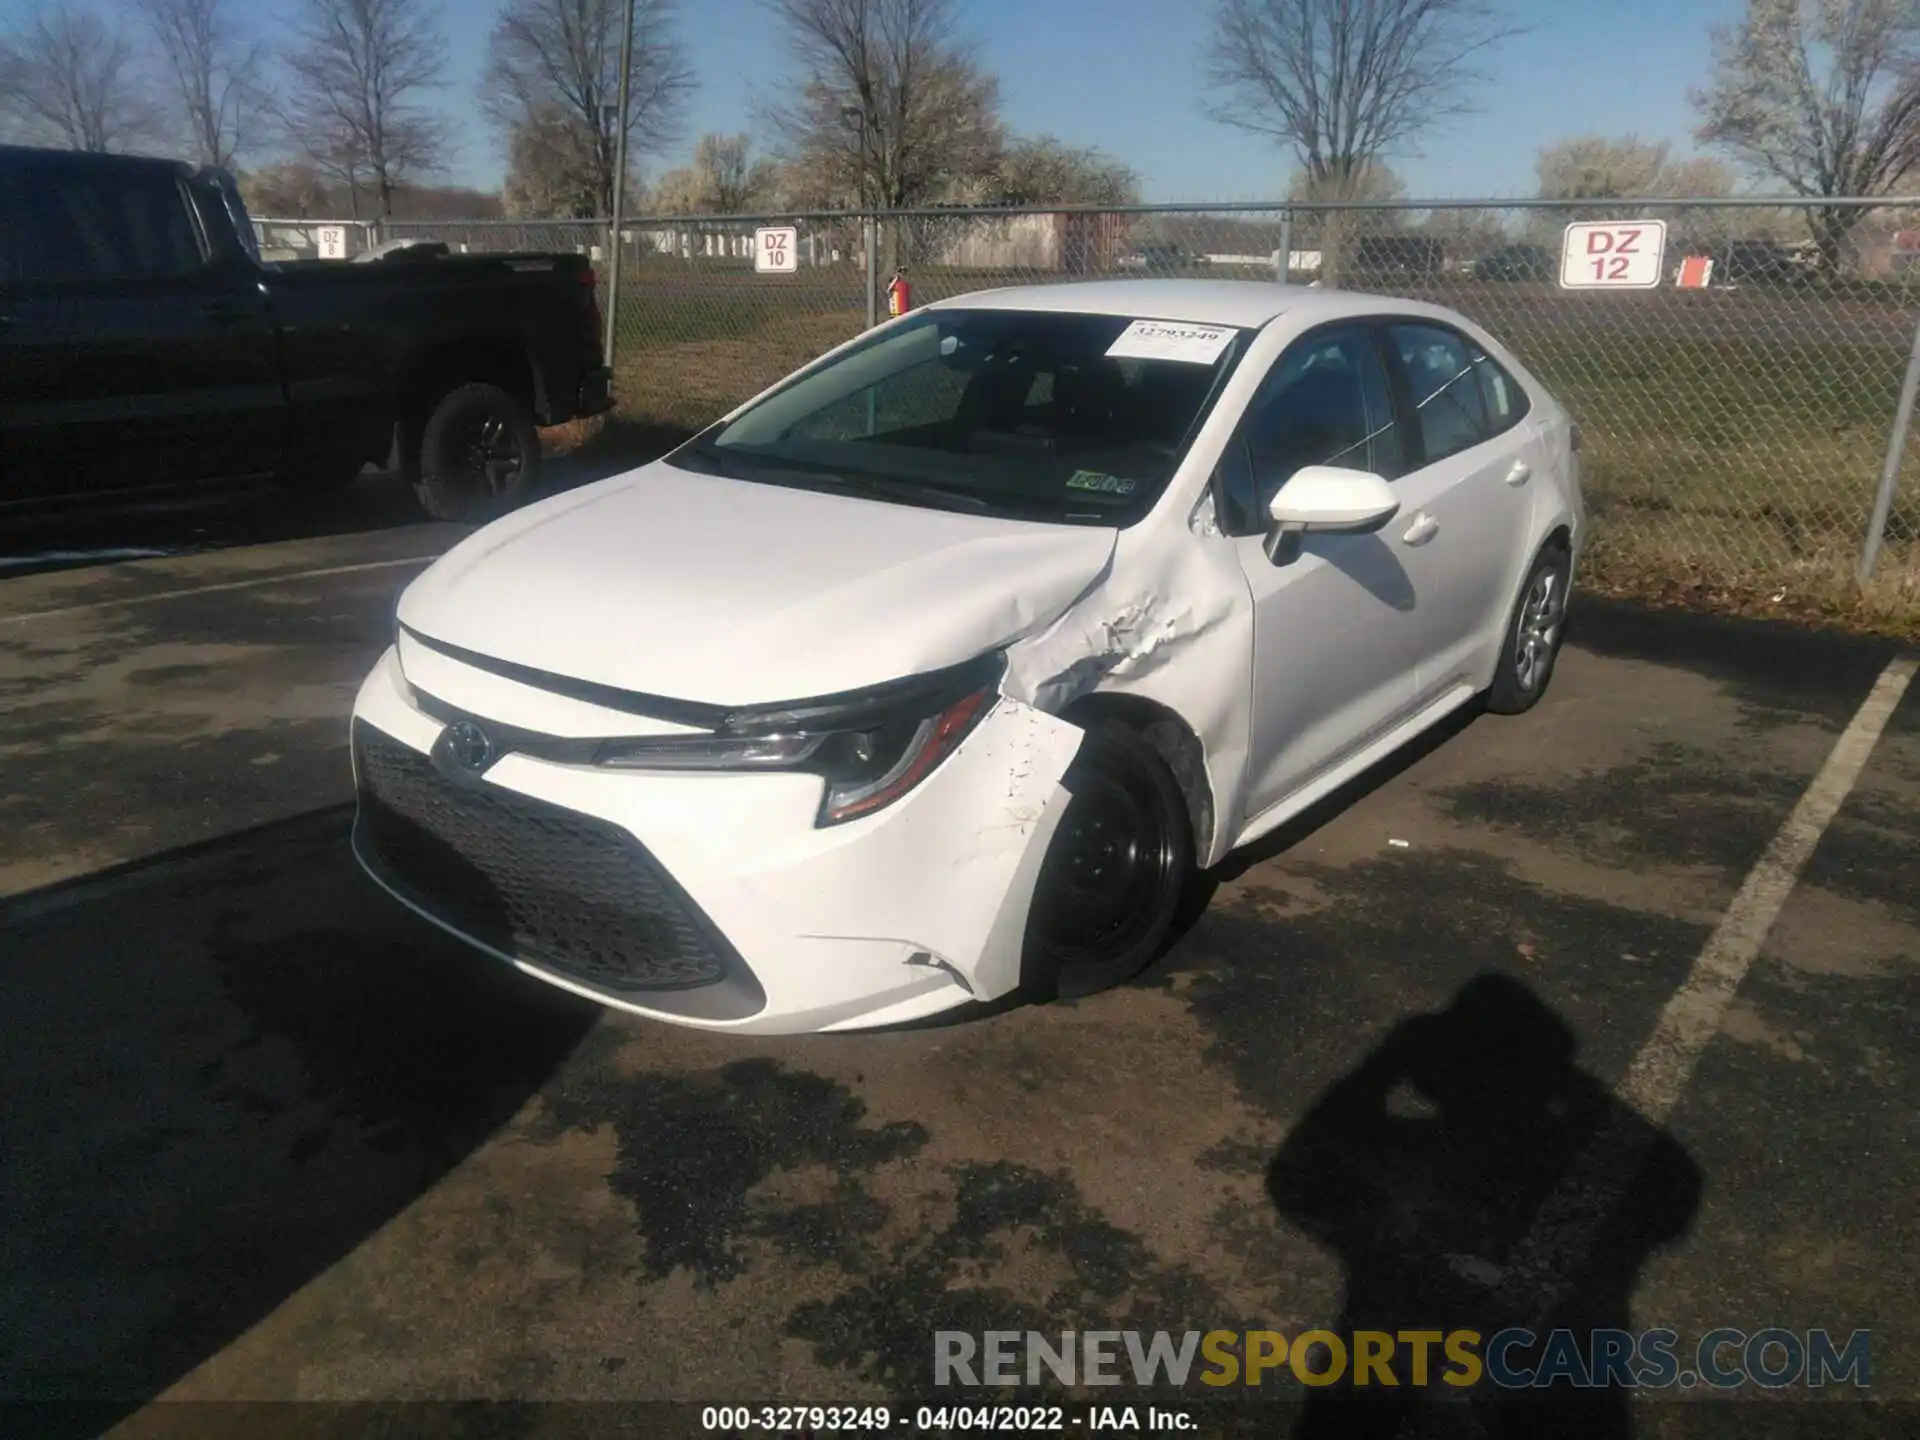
(899, 295)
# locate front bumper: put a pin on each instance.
(714, 900)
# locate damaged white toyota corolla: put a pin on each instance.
(931, 674)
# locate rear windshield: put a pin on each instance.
(1059, 417)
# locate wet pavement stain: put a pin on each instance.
(1286, 996)
(1011, 1225)
(1871, 860)
(1675, 805)
(693, 1148)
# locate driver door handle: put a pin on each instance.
(1520, 473)
(1423, 529)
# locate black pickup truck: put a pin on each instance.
(143, 345)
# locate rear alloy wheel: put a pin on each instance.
(1534, 633)
(479, 452)
(1116, 870)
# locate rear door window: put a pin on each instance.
(104, 228)
(1444, 382)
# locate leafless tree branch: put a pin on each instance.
(359, 74)
(1345, 82)
(556, 63)
(1822, 96)
(73, 79)
(894, 109)
(724, 179)
(215, 74)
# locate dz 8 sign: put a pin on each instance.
(1614, 255)
(774, 250)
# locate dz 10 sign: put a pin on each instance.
(1614, 255)
(774, 250)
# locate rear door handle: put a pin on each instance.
(1423, 529)
(1520, 473)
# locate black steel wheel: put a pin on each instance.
(1115, 873)
(479, 451)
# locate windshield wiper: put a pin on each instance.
(876, 486)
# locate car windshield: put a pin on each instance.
(1069, 418)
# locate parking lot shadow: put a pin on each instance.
(225, 1070)
(1422, 1170)
(194, 520)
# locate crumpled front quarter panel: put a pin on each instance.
(1173, 623)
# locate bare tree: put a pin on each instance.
(1600, 167)
(1822, 96)
(358, 76)
(1346, 82)
(557, 63)
(1608, 169)
(724, 179)
(291, 189)
(551, 172)
(73, 79)
(1332, 232)
(894, 109)
(1045, 171)
(215, 75)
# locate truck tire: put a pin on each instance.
(479, 452)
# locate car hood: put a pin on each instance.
(671, 583)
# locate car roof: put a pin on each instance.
(1248, 304)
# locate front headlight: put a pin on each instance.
(870, 747)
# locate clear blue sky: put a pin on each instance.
(1126, 75)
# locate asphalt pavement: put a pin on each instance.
(268, 1137)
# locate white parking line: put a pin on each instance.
(1556, 1248)
(1692, 1017)
(276, 579)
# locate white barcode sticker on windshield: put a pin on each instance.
(1171, 340)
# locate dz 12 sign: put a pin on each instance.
(775, 251)
(1613, 255)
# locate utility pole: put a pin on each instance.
(619, 179)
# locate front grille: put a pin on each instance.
(561, 890)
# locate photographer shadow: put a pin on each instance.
(1429, 1170)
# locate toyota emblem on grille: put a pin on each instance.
(468, 746)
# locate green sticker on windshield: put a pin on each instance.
(1096, 480)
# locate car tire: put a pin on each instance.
(1116, 871)
(1535, 631)
(479, 452)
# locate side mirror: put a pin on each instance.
(1325, 498)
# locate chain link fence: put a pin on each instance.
(1735, 417)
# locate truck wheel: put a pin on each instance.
(479, 451)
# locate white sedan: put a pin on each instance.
(932, 673)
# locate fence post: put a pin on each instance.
(1283, 260)
(1890, 471)
(870, 242)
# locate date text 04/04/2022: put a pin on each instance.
(938, 1419)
